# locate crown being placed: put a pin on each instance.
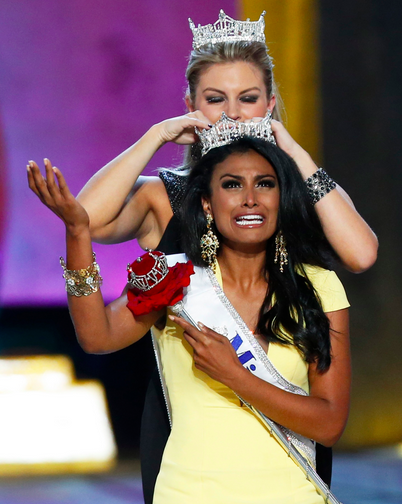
(226, 131)
(157, 273)
(227, 29)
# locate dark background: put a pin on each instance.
(361, 61)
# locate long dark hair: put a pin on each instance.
(297, 310)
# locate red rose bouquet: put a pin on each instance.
(154, 285)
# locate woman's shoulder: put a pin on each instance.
(152, 197)
(328, 287)
(150, 188)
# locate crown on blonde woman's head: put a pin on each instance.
(227, 29)
(226, 131)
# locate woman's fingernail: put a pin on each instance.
(210, 125)
(171, 317)
(200, 324)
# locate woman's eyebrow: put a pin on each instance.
(255, 88)
(237, 177)
(216, 90)
(267, 175)
(240, 177)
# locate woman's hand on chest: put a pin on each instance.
(213, 354)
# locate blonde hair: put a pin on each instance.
(228, 52)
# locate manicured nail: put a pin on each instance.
(210, 125)
(28, 168)
(200, 324)
(171, 317)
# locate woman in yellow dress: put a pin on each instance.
(271, 266)
(229, 72)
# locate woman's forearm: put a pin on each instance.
(313, 417)
(322, 415)
(119, 209)
(105, 194)
(347, 232)
(88, 313)
(99, 329)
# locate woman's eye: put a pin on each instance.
(214, 99)
(267, 183)
(249, 99)
(230, 184)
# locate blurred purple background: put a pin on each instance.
(79, 83)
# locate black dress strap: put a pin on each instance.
(170, 241)
(175, 184)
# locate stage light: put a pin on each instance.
(50, 422)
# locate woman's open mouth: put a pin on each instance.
(249, 220)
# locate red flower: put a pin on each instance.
(166, 292)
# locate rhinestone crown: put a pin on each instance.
(153, 277)
(227, 29)
(226, 131)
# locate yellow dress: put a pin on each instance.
(218, 452)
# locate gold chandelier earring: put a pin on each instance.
(209, 244)
(281, 254)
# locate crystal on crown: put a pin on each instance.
(226, 131)
(153, 277)
(227, 29)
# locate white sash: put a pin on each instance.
(206, 302)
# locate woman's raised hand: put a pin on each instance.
(285, 141)
(301, 157)
(180, 129)
(56, 195)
